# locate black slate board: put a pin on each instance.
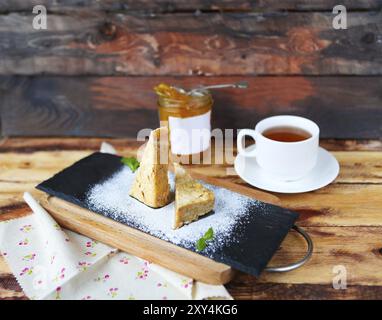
(256, 240)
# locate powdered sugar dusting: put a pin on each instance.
(111, 198)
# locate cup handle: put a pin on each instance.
(240, 136)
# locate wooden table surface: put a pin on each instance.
(344, 218)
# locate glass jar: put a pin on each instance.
(188, 118)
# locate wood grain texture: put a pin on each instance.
(17, 161)
(360, 179)
(101, 43)
(149, 6)
(355, 248)
(128, 146)
(343, 107)
(351, 145)
(343, 218)
(10, 289)
(246, 288)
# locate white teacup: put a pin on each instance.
(286, 161)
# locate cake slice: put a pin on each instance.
(192, 199)
(151, 181)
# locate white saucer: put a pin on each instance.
(325, 171)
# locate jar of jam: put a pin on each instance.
(188, 117)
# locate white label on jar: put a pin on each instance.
(190, 135)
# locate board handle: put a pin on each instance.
(301, 262)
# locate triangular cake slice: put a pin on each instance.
(192, 199)
(151, 181)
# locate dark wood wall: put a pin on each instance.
(92, 72)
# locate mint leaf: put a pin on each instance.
(209, 234)
(201, 244)
(131, 162)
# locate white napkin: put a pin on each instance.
(52, 263)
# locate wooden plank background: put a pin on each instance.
(92, 72)
(179, 5)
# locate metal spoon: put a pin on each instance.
(239, 85)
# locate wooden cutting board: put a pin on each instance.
(254, 241)
(136, 242)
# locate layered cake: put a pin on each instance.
(151, 181)
(192, 199)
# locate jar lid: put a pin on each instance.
(171, 96)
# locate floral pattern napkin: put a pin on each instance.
(52, 263)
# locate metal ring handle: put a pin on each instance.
(299, 263)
